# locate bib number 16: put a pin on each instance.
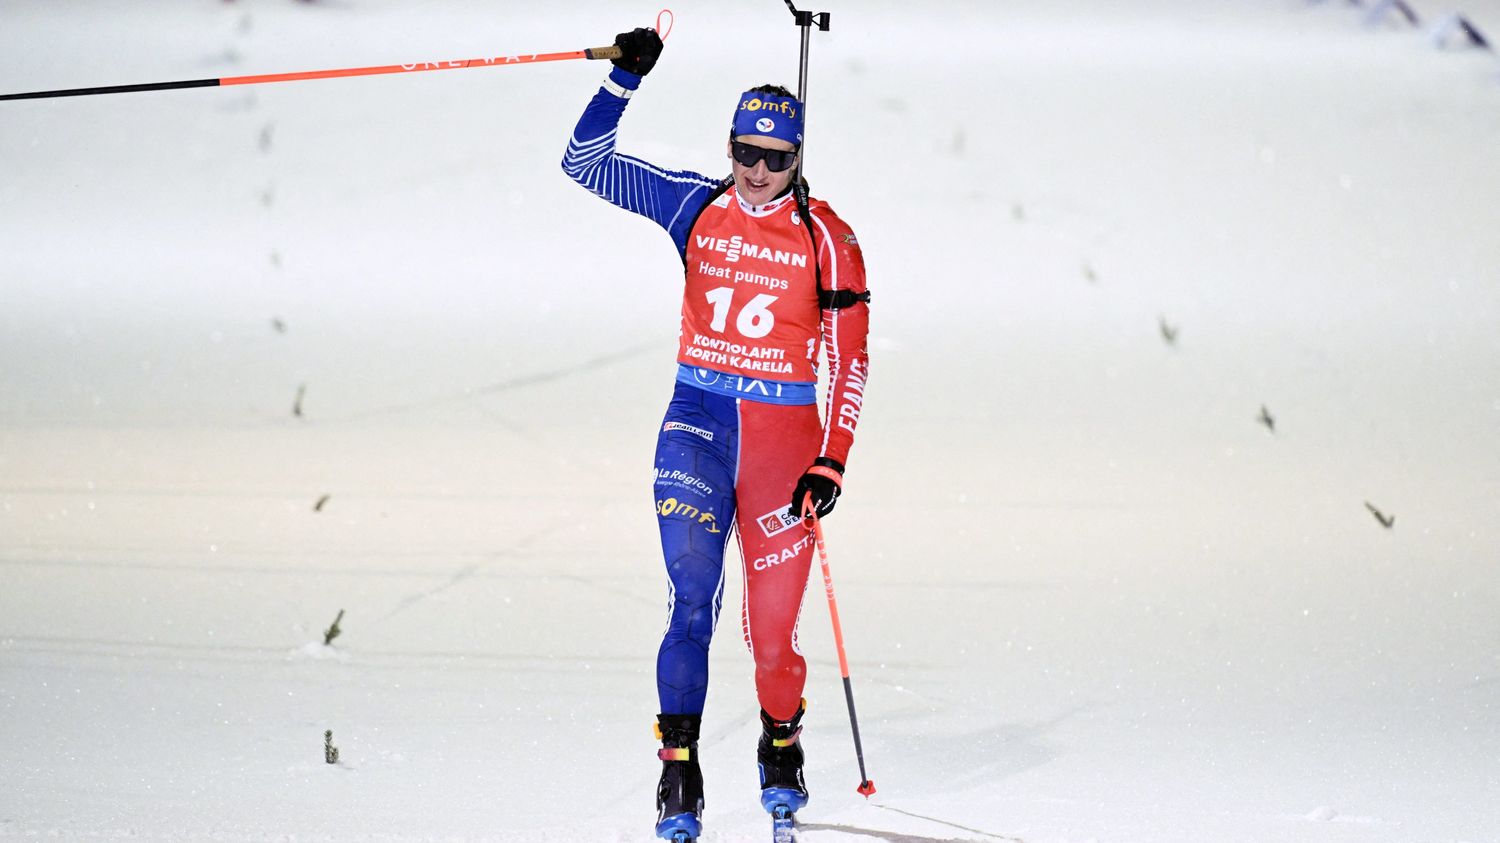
(755, 319)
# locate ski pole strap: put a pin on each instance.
(670, 18)
(675, 753)
(611, 53)
(827, 471)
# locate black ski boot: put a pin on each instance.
(782, 789)
(679, 793)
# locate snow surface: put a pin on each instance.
(1087, 596)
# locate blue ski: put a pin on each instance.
(783, 825)
(782, 804)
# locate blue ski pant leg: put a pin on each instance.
(696, 453)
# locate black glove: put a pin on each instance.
(823, 479)
(640, 48)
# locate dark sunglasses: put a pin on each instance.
(748, 155)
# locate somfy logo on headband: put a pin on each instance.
(779, 104)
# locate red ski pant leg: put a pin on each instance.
(777, 444)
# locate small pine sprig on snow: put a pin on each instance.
(333, 632)
(330, 752)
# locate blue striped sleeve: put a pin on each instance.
(670, 198)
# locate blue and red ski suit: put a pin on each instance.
(743, 422)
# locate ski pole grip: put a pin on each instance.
(609, 53)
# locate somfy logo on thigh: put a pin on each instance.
(672, 506)
(778, 521)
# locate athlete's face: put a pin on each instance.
(759, 184)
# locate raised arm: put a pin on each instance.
(670, 198)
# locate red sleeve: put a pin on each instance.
(844, 333)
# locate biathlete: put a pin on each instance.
(770, 283)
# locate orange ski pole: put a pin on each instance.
(418, 67)
(866, 787)
(415, 67)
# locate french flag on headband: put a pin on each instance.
(769, 115)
